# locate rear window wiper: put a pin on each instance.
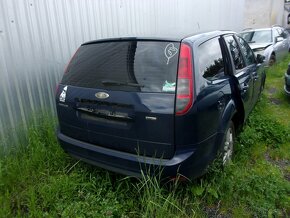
(117, 83)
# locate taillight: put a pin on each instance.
(66, 67)
(184, 96)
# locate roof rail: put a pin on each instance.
(276, 25)
(247, 29)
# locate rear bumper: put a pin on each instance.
(187, 162)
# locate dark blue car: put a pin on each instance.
(145, 104)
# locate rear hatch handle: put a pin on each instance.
(102, 114)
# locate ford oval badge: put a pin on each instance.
(102, 95)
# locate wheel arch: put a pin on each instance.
(233, 112)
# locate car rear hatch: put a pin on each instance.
(120, 94)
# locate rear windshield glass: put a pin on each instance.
(145, 66)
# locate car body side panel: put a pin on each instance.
(211, 97)
(287, 84)
(279, 50)
(229, 111)
(259, 76)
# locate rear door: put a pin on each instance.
(213, 87)
(122, 94)
(242, 72)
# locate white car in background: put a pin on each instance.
(273, 43)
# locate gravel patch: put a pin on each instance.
(275, 101)
(272, 90)
(282, 164)
(214, 211)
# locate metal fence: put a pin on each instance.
(37, 38)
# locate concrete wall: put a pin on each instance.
(263, 13)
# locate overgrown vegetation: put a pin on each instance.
(38, 179)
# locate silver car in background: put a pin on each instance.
(287, 81)
(273, 43)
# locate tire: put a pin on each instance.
(272, 60)
(227, 147)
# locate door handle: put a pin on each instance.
(220, 104)
(244, 88)
(255, 76)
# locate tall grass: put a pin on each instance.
(37, 179)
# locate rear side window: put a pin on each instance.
(211, 65)
(145, 66)
(235, 52)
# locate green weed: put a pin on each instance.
(265, 129)
(37, 179)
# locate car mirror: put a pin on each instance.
(279, 39)
(260, 58)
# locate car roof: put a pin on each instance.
(258, 29)
(191, 37)
(207, 35)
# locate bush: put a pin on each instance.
(262, 128)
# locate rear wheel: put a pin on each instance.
(228, 144)
(272, 59)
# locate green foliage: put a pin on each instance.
(37, 179)
(268, 130)
(157, 200)
(264, 129)
(261, 188)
